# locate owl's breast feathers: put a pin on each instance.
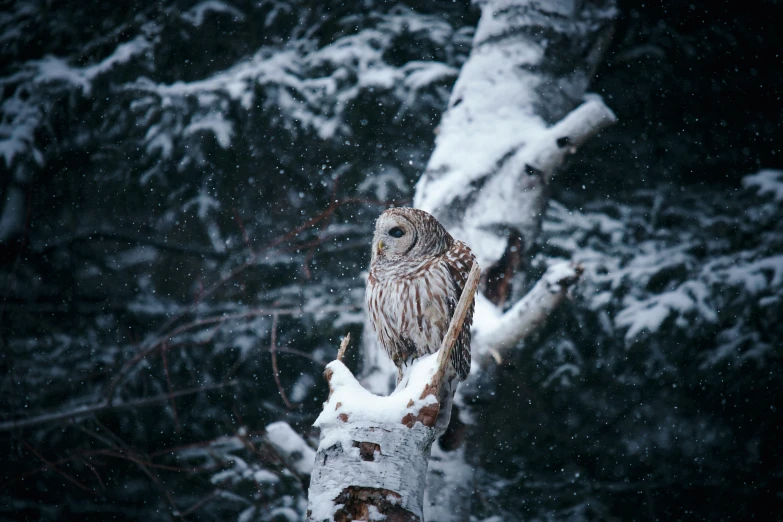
(411, 303)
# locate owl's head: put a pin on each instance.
(408, 233)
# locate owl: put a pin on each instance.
(417, 275)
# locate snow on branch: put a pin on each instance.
(372, 459)
(512, 120)
(518, 108)
(495, 335)
(291, 447)
(570, 133)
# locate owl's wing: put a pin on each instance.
(459, 260)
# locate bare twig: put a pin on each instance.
(129, 238)
(158, 343)
(334, 204)
(105, 405)
(156, 480)
(455, 326)
(275, 370)
(241, 224)
(200, 503)
(117, 452)
(54, 468)
(269, 246)
(170, 388)
(343, 346)
(94, 471)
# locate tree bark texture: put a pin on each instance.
(518, 108)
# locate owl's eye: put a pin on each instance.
(396, 232)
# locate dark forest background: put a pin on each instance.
(188, 193)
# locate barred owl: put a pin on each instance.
(417, 275)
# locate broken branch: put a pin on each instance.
(455, 326)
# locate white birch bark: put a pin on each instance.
(519, 106)
(371, 461)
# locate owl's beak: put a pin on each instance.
(380, 246)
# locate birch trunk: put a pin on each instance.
(518, 108)
(371, 462)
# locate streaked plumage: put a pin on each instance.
(417, 274)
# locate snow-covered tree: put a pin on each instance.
(187, 191)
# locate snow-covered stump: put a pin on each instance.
(372, 458)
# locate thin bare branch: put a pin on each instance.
(275, 370)
(201, 503)
(54, 468)
(130, 238)
(455, 326)
(161, 341)
(89, 410)
(170, 387)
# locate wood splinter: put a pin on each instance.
(455, 326)
(343, 346)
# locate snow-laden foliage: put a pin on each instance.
(247, 473)
(646, 384)
(186, 191)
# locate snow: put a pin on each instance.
(132, 257)
(491, 137)
(350, 398)
(291, 445)
(247, 515)
(450, 474)
(486, 316)
(495, 333)
(204, 203)
(307, 87)
(419, 75)
(301, 388)
(730, 344)
(766, 181)
(381, 184)
(649, 314)
(375, 515)
(197, 14)
(755, 276)
(285, 513)
(159, 141)
(482, 128)
(215, 123)
(557, 273)
(261, 476)
(352, 415)
(17, 129)
(54, 69)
